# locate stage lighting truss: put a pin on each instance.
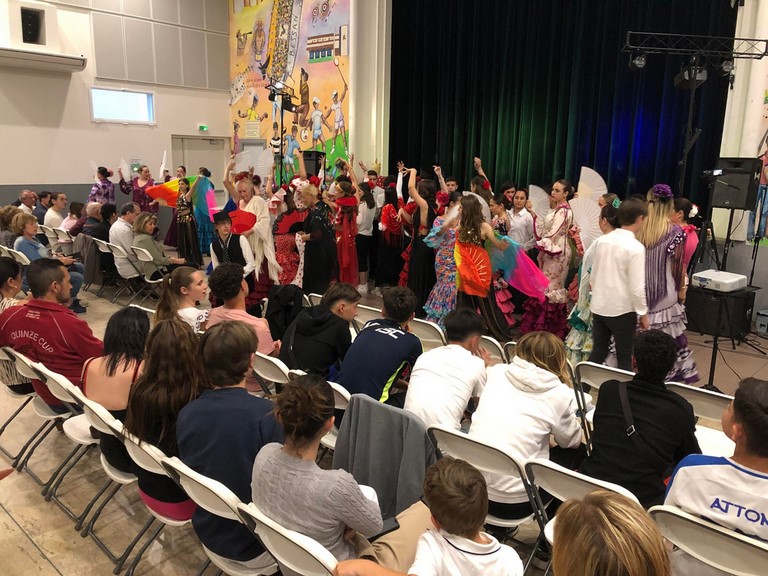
(714, 47)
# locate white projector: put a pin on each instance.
(719, 281)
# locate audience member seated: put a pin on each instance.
(728, 491)
(28, 244)
(56, 212)
(143, 229)
(171, 377)
(444, 380)
(90, 223)
(121, 234)
(327, 505)
(47, 331)
(318, 340)
(7, 235)
(107, 379)
(10, 286)
(76, 211)
(664, 424)
(35, 204)
(228, 286)
(182, 290)
(457, 497)
(383, 351)
(220, 433)
(523, 404)
(108, 217)
(607, 534)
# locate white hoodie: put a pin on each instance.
(520, 407)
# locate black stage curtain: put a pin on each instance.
(539, 88)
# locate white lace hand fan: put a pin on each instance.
(539, 200)
(586, 215)
(591, 185)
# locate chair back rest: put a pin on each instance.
(706, 404)
(714, 545)
(49, 233)
(292, 550)
(366, 313)
(3, 250)
(142, 254)
(20, 257)
(99, 417)
(57, 384)
(117, 251)
(207, 493)
(483, 456)
(148, 456)
(24, 365)
(305, 301)
(314, 298)
(293, 374)
(62, 235)
(102, 246)
(493, 347)
(594, 375)
(340, 396)
(271, 369)
(509, 350)
(142, 308)
(430, 334)
(565, 484)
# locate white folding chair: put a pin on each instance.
(25, 399)
(269, 369)
(563, 484)
(104, 422)
(53, 239)
(118, 252)
(293, 551)
(20, 257)
(150, 458)
(65, 240)
(340, 402)
(4, 251)
(76, 428)
(314, 299)
(364, 314)
(493, 347)
(143, 255)
(305, 302)
(108, 279)
(488, 459)
(430, 334)
(593, 375)
(714, 545)
(509, 350)
(217, 499)
(708, 407)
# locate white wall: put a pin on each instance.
(47, 137)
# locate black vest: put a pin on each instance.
(234, 250)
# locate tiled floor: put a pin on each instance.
(36, 537)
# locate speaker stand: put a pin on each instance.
(727, 246)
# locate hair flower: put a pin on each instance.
(662, 191)
(616, 203)
(486, 185)
(442, 198)
(315, 181)
(694, 211)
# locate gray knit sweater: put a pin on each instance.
(301, 496)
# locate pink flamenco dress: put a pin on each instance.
(501, 291)
(551, 314)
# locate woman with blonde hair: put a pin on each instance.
(7, 235)
(607, 534)
(523, 403)
(144, 227)
(664, 244)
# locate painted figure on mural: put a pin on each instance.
(303, 107)
(242, 41)
(317, 124)
(259, 39)
(291, 147)
(338, 118)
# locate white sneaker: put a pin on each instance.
(363, 288)
(376, 291)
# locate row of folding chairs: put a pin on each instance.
(291, 550)
(714, 545)
(61, 239)
(141, 285)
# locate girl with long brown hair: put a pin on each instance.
(182, 289)
(172, 375)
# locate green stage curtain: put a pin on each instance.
(539, 88)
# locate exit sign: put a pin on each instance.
(202, 127)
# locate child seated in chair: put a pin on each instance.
(457, 497)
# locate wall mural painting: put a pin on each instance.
(290, 48)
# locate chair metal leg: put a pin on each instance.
(89, 527)
(321, 455)
(84, 514)
(147, 544)
(24, 462)
(49, 491)
(43, 429)
(13, 457)
(124, 556)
